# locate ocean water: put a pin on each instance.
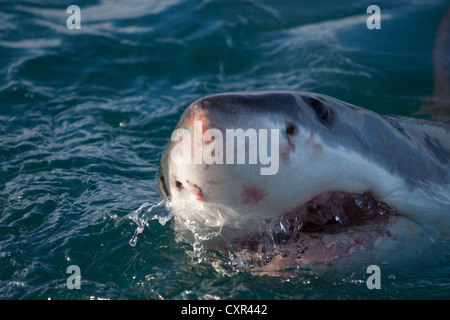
(85, 115)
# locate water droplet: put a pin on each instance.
(198, 248)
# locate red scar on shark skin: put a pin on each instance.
(253, 194)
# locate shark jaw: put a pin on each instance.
(323, 232)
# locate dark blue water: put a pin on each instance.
(85, 115)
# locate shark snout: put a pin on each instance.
(224, 111)
(209, 114)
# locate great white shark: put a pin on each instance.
(348, 178)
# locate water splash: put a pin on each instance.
(198, 248)
(194, 220)
(190, 221)
(147, 212)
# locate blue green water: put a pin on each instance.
(85, 115)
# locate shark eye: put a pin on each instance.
(290, 129)
(178, 184)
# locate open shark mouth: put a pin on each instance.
(330, 226)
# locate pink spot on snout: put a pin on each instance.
(317, 146)
(198, 193)
(285, 150)
(285, 153)
(253, 194)
(198, 116)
